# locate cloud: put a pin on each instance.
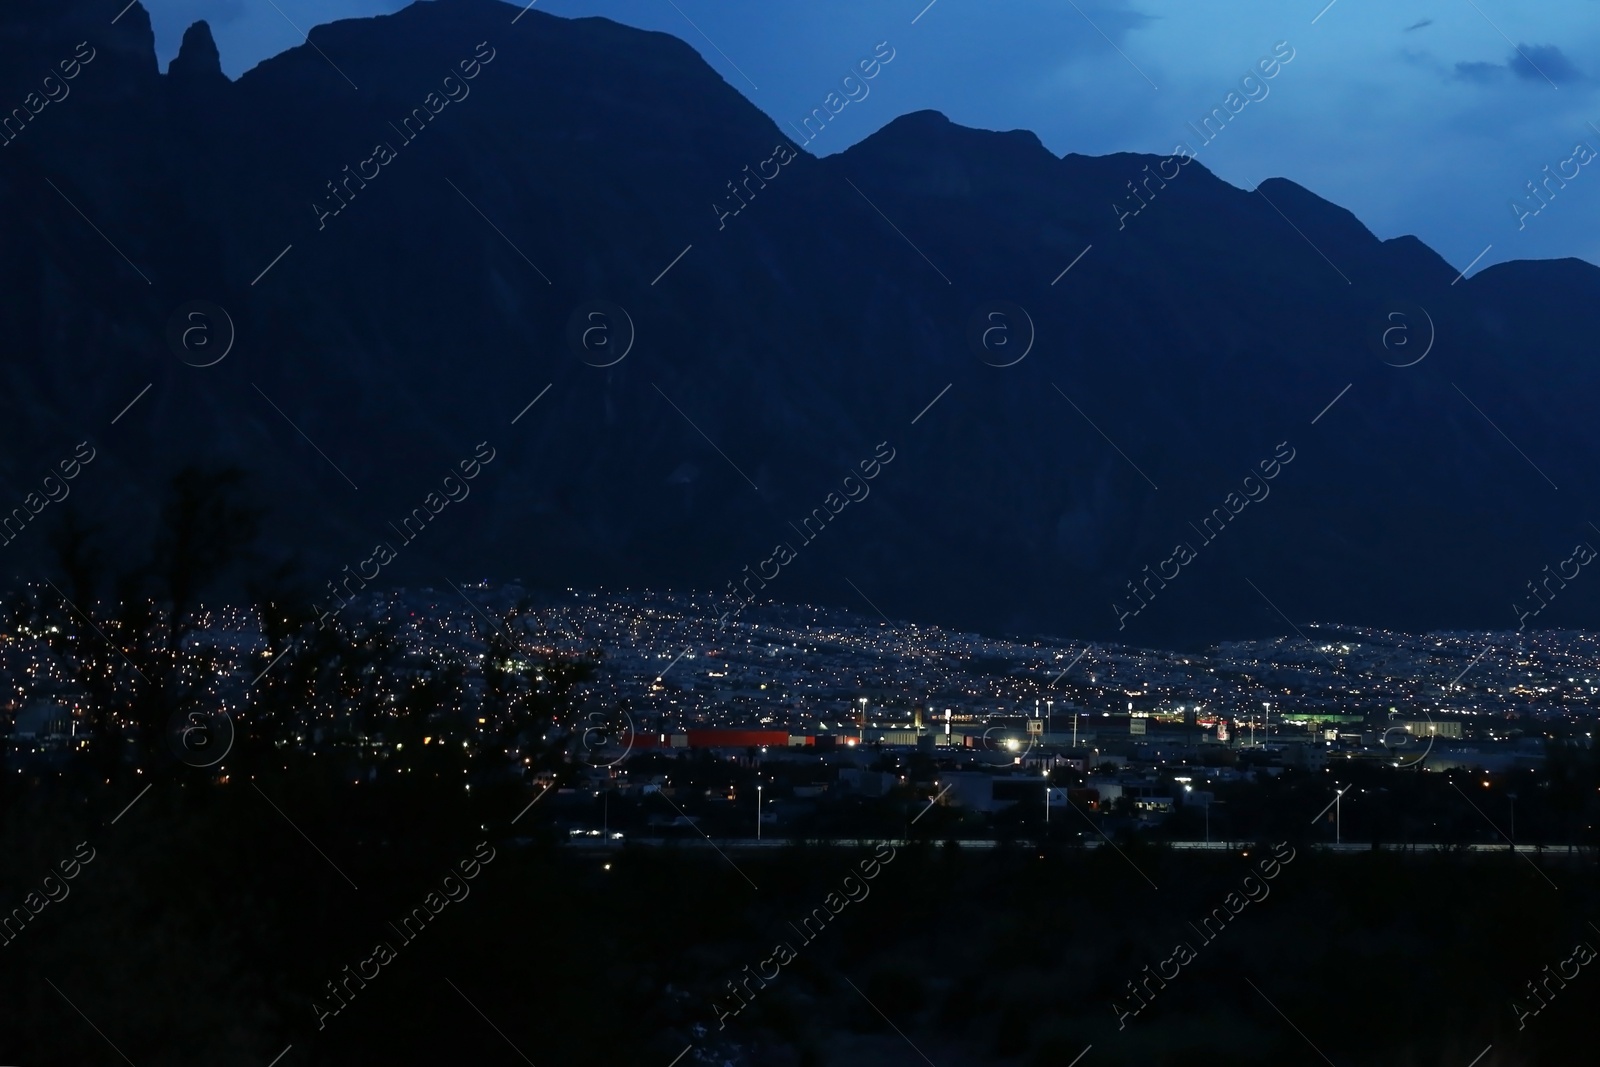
(1419, 25)
(1541, 61)
(1482, 73)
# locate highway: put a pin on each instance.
(745, 844)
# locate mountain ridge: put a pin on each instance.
(1175, 350)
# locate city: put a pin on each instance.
(809, 714)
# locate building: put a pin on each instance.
(1427, 729)
(977, 791)
(867, 783)
(722, 738)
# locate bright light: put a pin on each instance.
(1013, 744)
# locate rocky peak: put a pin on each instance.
(197, 58)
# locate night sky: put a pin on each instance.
(1421, 116)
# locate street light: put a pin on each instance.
(758, 811)
(1047, 797)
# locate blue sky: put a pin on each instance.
(1421, 116)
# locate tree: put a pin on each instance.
(139, 663)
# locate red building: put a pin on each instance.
(738, 738)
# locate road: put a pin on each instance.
(751, 844)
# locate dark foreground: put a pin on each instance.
(336, 923)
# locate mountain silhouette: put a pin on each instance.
(417, 224)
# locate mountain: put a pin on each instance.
(384, 328)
